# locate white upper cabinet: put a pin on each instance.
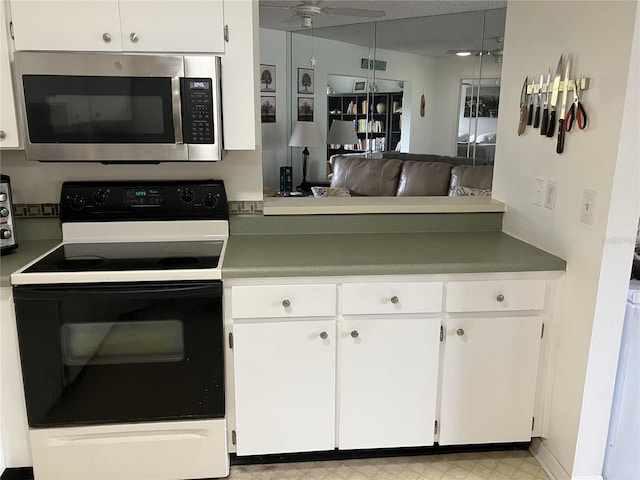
(9, 134)
(112, 25)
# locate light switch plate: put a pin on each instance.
(550, 195)
(588, 209)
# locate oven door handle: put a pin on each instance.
(212, 289)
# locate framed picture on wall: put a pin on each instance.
(305, 80)
(305, 109)
(267, 78)
(268, 109)
(359, 85)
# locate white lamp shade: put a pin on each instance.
(342, 132)
(306, 134)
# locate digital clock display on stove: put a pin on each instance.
(143, 197)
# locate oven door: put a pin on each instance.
(121, 352)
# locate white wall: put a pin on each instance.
(598, 256)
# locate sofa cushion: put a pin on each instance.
(424, 178)
(479, 177)
(366, 176)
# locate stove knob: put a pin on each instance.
(100, 197)
(3, 197)
(76, 202)
(5, 234)
(210, 201)
(186, 196)
(4, 212)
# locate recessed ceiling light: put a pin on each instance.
(463, 54)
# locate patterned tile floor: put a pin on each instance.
(507, 465)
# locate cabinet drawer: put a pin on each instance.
(273, 301)
(391, 297)
(498, 295)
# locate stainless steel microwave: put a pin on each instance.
(106, 107)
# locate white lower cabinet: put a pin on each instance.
(388, 375)
(376, 363)
(489, 371)
(284, 386)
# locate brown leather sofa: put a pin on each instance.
(382, 177)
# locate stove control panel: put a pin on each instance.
(143, 200)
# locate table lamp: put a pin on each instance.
(305, 134)
(342, 132)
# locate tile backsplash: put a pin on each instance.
(53, 209)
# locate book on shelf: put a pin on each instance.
(373, 126)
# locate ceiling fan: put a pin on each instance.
(495, 53)
(307, 9)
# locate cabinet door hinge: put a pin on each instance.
(233, 437)
(542, 332)
(226, 33)
(533, 422)
(230, 340)
(441, 333)
(435, 428)
(11, 30)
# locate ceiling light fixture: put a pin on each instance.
(463, 54)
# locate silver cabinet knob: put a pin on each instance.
(4, 212)
(286, 303)
(106, 37)
(500, 298)
(324, 335)
(5, 234)
(3, 134)
(133, 37)
(460, 332)
(3, 197)
(355, 334)
(394, 299)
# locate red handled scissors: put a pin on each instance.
(577, 112)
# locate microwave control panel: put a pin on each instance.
(197, 110)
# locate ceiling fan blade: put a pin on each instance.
(354, 12)
(272, 5)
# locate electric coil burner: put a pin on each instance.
(120, 331)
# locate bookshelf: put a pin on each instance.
(378, 129)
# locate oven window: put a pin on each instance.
(122, 342)
(89, 109)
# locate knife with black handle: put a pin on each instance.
(560, 145)
(545, 110)
(551, 126)
(536, 118)
(565, 93)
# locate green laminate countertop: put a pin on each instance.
(27, 251)
(340, 254)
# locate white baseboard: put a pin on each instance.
(548, 462)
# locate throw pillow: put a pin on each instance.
(330, 192)
(470, 192)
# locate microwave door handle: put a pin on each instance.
(176, 107)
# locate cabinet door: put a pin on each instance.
(172, 26)
(66, 25)
(9, 136)
(489, 379)
(388, 370)
(284, 386)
